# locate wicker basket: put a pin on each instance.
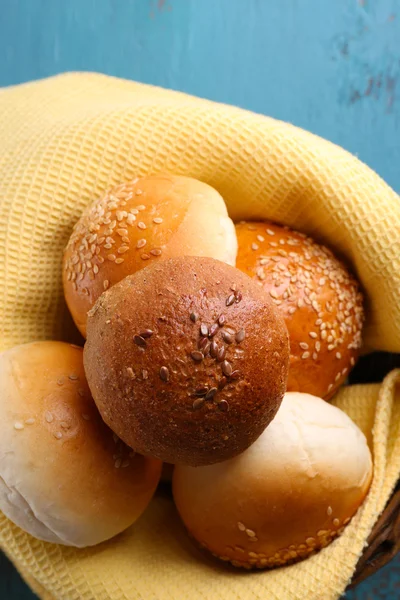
(384, 540)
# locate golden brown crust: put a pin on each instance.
(288, 495)
(83, 484)
(318, 298)
(152, 390)
(139, 222)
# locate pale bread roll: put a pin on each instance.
(137, 223)
(64, 476)
(290, 494)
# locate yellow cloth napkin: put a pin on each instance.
(63, 141)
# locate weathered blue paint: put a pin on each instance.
(332, 67)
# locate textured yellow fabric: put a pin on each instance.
(63, 141)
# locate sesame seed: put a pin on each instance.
(198, 403)
(241, 527)
(145, 256)
(18, 425)
(254, 246)
(141, 225)
(235, 374)
(81, 392)
(123, 249)
(347, 521)
(250, 533)
(310, 541)
(30, 421)
(201, 391)
(213, 349)
(197, 355)
(193, 317)
(273, 293)
(139, 341)
(213, 330)
(303, 345)
(329, 511)
(336, 522)
(226, 368)
(60, 381)
(86, 416)
(230, 300)
(240, 336)
(305, 355)
(221, 320)
(111, 257)
(145, 374)
(318, 346)
(338, 355)
(203, 330)
(130, 372)
(261, 238)
(315, 356)
(337, 376)
(164, 374)
(157, 220)
(106, 284)
(146, 333)
(58, 435)
(227, 337)
(291, 310)
(223, 406)
(48, 416)
(95, 269)
(270, 232)
(156, 252)
(312, 334)
(222, 383)
(211, 393)
(323, 334)
(331, 347)
(73, 377)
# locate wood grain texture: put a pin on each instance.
(330, 67)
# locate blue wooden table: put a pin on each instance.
(330, 67)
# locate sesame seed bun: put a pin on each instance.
(64, 476)
(140, 222)
(187, 360)
(318, 298)
(291, 493)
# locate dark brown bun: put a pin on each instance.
(317, 296)
(147, 337)
(136, 223)
(64, 476)
(290, 494)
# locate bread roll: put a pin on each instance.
(64, 476)
(186, 360)
(140, 222)
(318, 298)
(288, 495)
